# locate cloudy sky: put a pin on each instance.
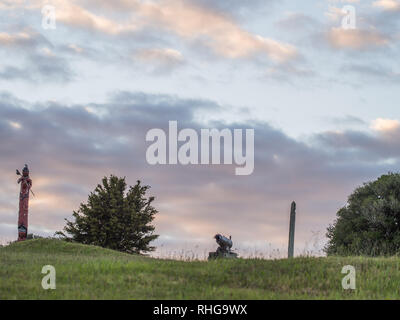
(77, 100)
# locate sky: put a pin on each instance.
(77, 98)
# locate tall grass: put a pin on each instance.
(90, 272)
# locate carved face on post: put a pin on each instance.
(25, 171)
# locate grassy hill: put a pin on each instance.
(89, 272)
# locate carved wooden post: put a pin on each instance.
(26, 185)
(291, 229)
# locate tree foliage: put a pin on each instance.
(114, 218)
(370, 222)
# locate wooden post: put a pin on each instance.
(26, 185)
(291, 229)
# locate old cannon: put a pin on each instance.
(224, 249)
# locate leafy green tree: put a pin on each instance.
(370, 222)
(113, 218)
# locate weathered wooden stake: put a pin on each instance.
(291, 229)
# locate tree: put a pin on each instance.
(115, 219)
(370, 222)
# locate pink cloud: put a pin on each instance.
(356, 39)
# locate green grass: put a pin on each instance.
(89, 272)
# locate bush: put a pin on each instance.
(113, 218)
(370, 222)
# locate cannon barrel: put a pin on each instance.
(224, 249)
(223, 241)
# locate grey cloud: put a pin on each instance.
(348, 120)
(39, 61)
(238, 7)
(12, 73)
(387, 21)
(50, 67)
(70, 148)
(373, 72)
(22, 38)
(39, 68)
(362, 147)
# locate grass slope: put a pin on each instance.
(89, 272)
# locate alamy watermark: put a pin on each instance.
(49, 280)
(349, 17)
(349, 281)
(188, 152)
(49, 17)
